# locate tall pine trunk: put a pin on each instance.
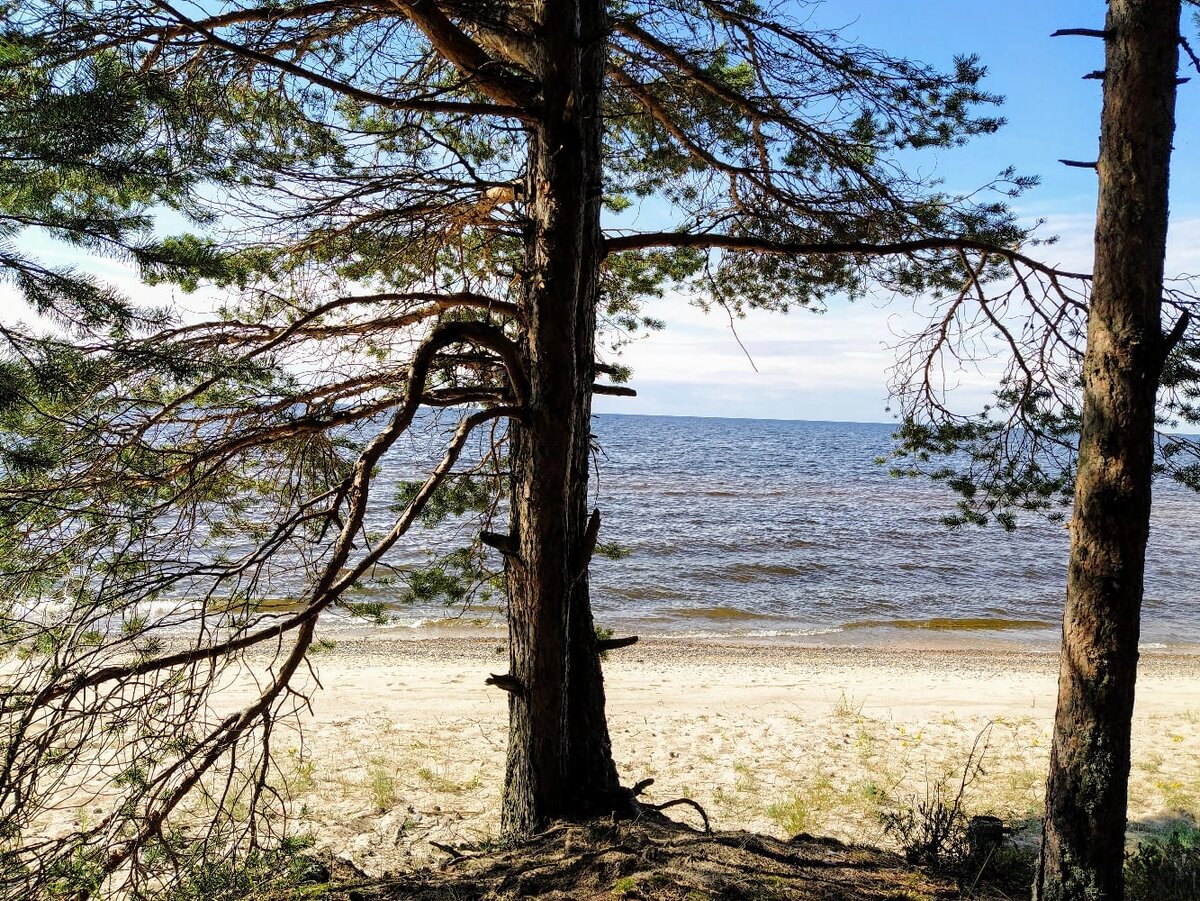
(1084, 834)
(559, 758)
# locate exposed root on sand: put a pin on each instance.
(653, 857)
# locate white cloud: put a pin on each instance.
(805, 366)
(119, 274)
(809, 366)
(830, 366)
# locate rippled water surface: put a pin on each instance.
(784, 528)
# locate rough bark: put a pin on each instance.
(559, 759)
(591, 771)
(1084, 834)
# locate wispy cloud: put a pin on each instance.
(830, 366)
(805, 366)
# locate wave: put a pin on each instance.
(755, 572)
(640, 592)
(910, 566)
(722, 612)
(739, 634)
(792, 544)
(954, 624)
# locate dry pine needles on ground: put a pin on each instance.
(655, 858)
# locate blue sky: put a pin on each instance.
(834, 366)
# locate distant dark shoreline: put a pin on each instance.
(888, 425)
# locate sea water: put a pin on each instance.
(773, 527)
(778, 530)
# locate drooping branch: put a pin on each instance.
(454, 45)
(1017, 454)
(220, 740)
(336, 576)
(167, 787)
(508, 110)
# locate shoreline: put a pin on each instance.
(881, 640)
(406, 744)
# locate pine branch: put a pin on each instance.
(516, 111)
(694, 73)
(455, 46)
(1187, 48)
(710, 241)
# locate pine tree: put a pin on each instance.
(1074, 427)
(410, 205)
(1083, 841)
(74, 165)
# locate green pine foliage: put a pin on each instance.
(1166, 868)
(1016, 456)
(74, 164)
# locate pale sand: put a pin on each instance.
(406, 744)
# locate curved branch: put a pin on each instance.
(482, 333)
(330, 586)
(516, 111)
(449, 40)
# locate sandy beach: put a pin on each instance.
(405, 745)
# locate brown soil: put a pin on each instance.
(656, 858)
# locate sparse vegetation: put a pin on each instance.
(279, 872)
(806, 809)
(848, 707)
(932, 830)
(301, 778)
(625, 886)
(381, 785)
(438, 782)
(793, 815)
(1166, 868)
(939, 830)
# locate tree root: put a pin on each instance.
(695, 805)
(454, 853)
